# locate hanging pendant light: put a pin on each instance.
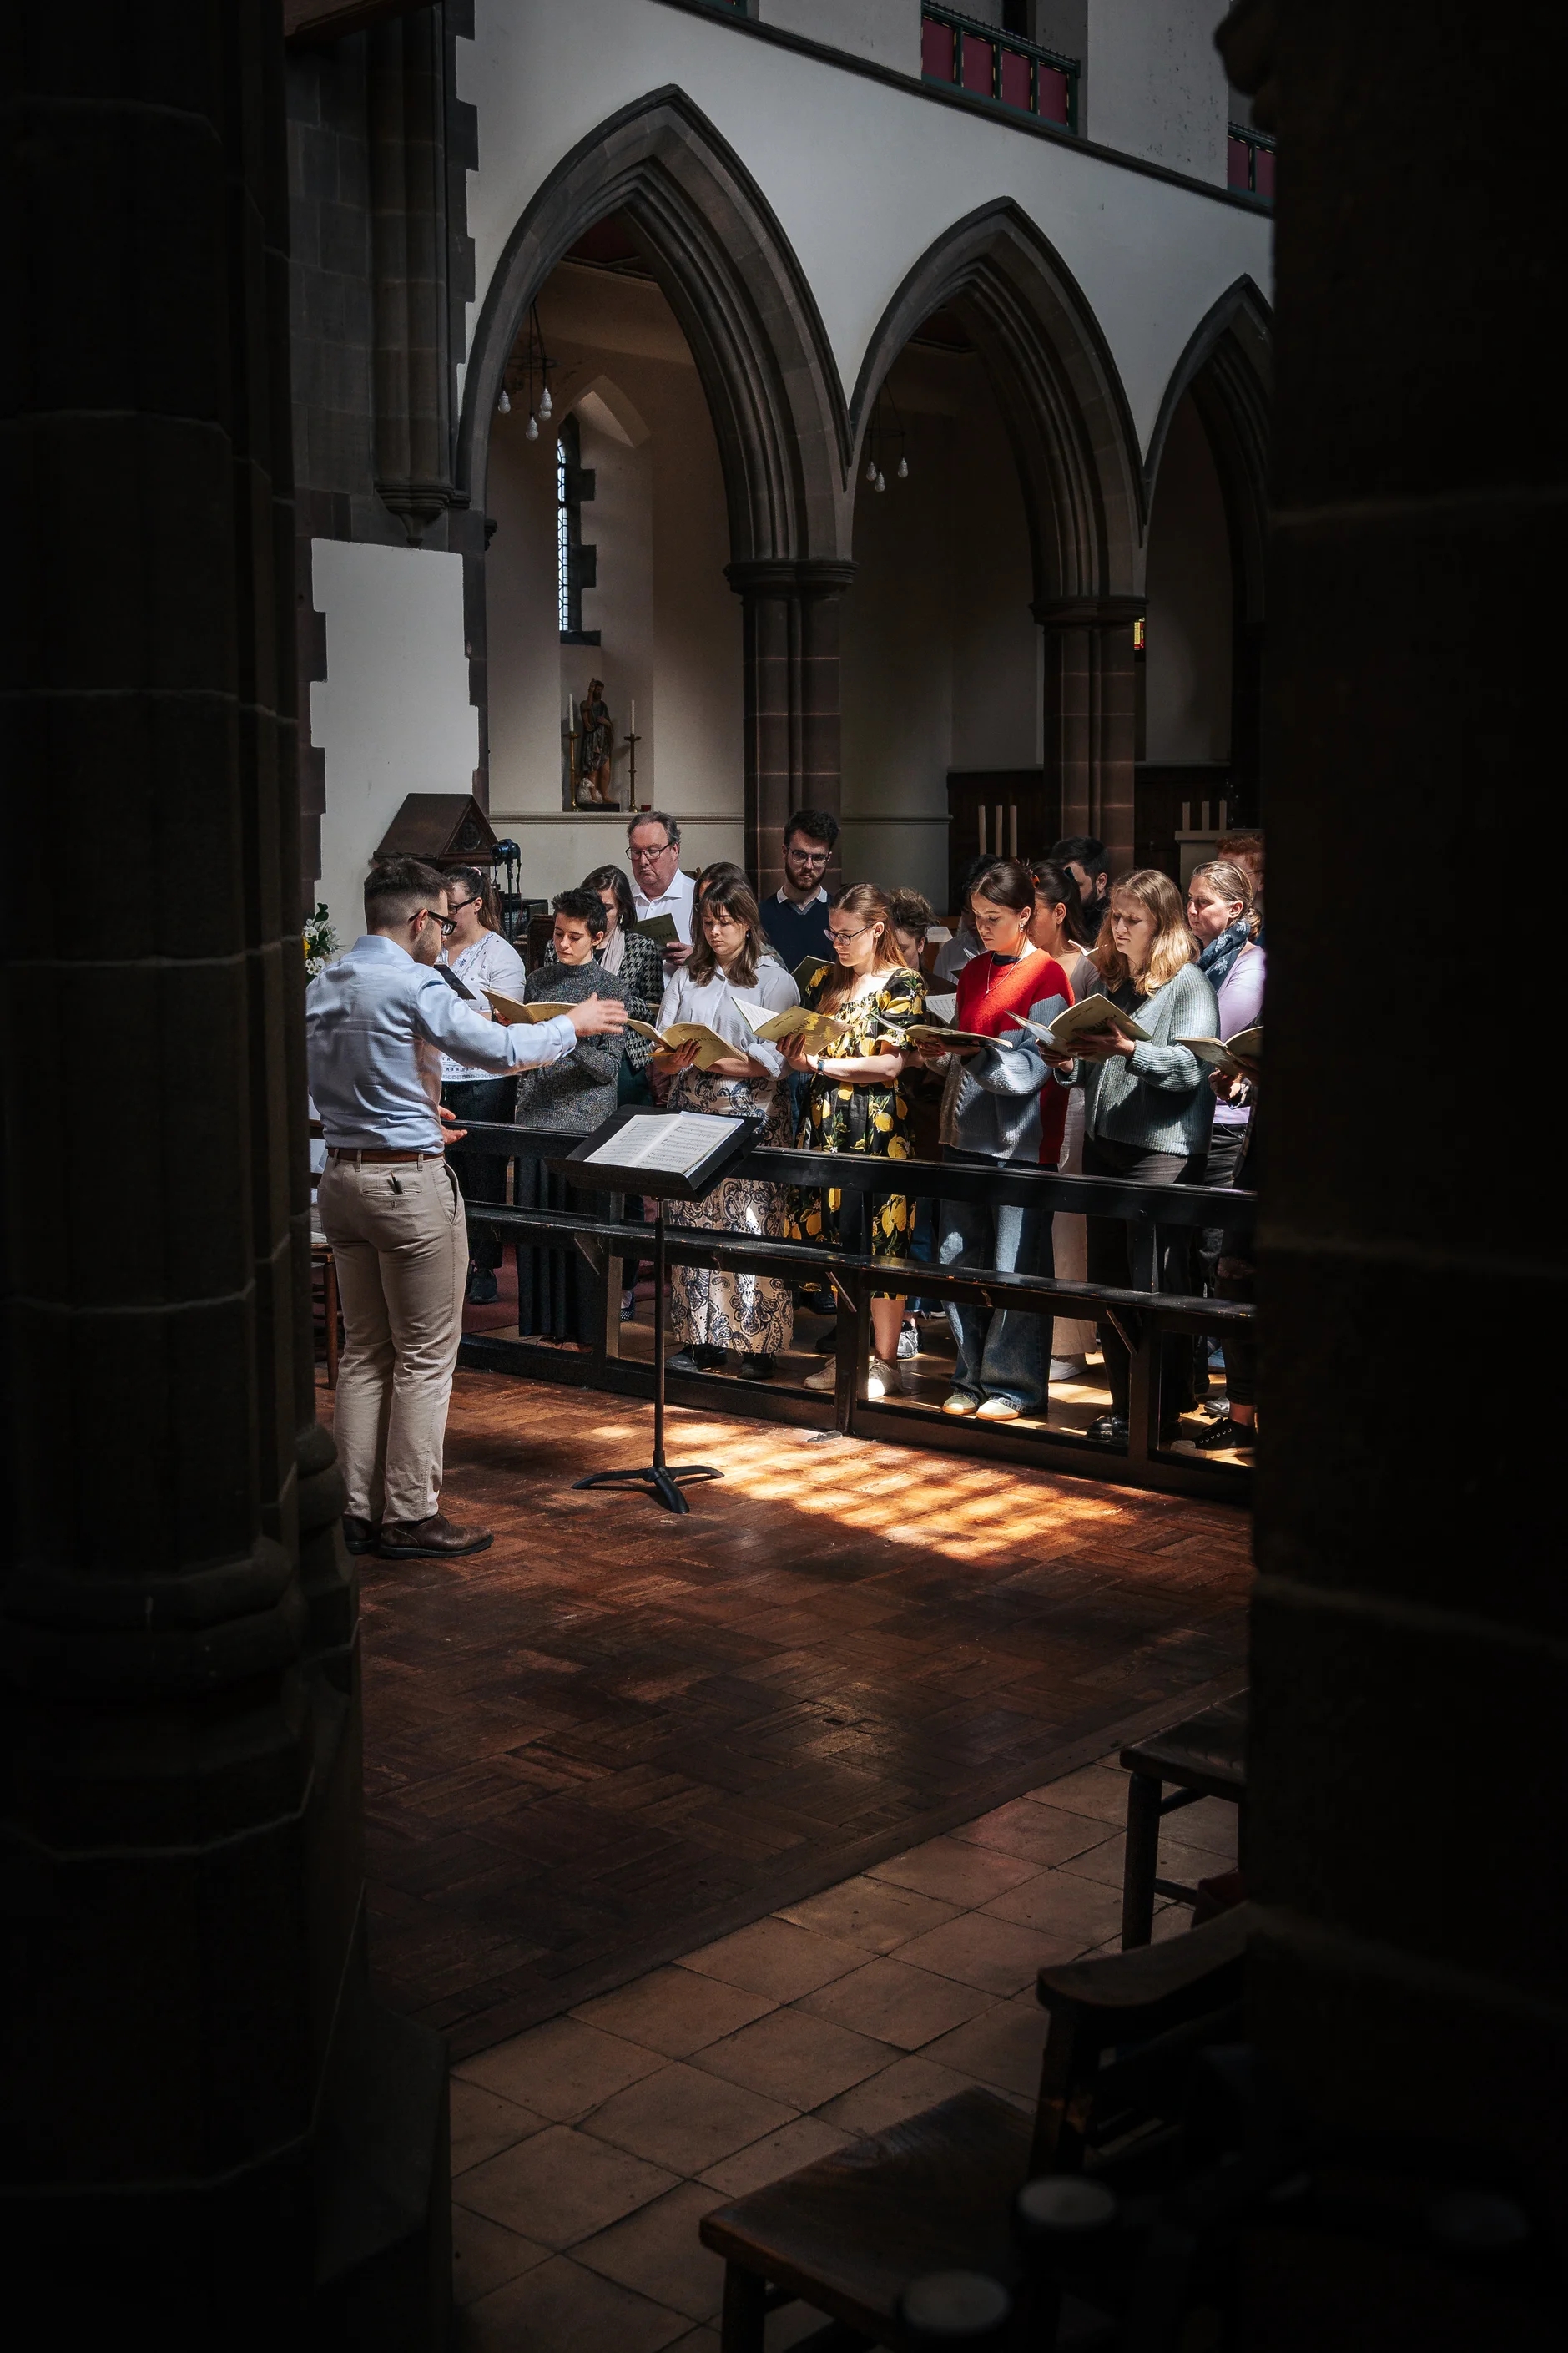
(545, 405)
(882, 483)
(530, 430)
(903, 469)
(870, 469)
(504, 405)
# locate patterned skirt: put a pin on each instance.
(751, 1312)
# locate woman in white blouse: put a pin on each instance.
(710, 1313)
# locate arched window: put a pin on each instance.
(576, 566)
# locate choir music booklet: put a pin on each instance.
(810, 969)
(511, 1008)
(1222, 1052)
(943, 1036)
(710, 1047)
(668, 1143)
(794, 1021)
(1090, 1013)
(661, 928)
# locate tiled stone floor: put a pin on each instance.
(586, 2151)
(618, 1734)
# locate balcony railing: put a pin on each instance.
(991, 64)
(1250, 165)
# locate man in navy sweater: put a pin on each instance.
(795, 918)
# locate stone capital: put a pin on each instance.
(770, 575)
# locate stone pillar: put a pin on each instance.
(791, 700)
(406, 100)
(1410, 1676)
(1090, 715)
(190, 2054)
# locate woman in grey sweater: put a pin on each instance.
(1147, 1114)
(555, 1289)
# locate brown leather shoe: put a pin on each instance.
(359, 1534)
(432, 1540)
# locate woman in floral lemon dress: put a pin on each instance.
(854, 1102)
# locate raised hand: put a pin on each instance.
(596, 1015)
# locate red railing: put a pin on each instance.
(1001, 66)
(1250, 165)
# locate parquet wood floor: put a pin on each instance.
(617, 1733)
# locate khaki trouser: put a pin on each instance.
(400, 1241)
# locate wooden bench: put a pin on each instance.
(1205, 1757)
(936, 2193)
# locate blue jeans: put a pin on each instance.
(1001, 1353)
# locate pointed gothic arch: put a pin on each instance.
(1227, 367)
(1067, 417)
(1055, 384)
(726, 267)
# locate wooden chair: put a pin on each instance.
(936, 2193)
(1205, 1757)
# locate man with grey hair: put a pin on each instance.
(658, 886)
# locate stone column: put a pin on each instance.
(406, 100)
(1410, 1676)
(190, 2053)
(1090, 715)
(791, 700)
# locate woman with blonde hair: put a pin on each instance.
(1147, 1110)
(854, 1102)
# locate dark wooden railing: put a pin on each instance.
(1251, 163)
(1002, 66)
(1141, 1314)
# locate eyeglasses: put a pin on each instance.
(807, 857)
(642, 857)
(448, 925)
(456, 906)
(842, 939)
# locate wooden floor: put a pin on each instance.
(618, 1734)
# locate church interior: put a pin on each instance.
(1040, 1875)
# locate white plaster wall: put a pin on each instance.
(393, 713)
(864, 176)
(670, 624)
(886, 30)
(1187, 664)
(1154, 85)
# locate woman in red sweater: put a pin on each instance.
(991, 1117)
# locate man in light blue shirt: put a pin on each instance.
(378, 1023)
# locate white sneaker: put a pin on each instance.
(1067, 1368)
(881, 1378)
(909, 1341)
(828, 1379)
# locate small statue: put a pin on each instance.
(595, 743)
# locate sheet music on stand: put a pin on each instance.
(667, 1143)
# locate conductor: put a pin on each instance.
(378, 1023)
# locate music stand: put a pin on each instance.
(664, 1155)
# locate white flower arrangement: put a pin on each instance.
(319, 941)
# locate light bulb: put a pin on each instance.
(881, 485)
(870, 469)
(903, 469)
(530, 430)
(544, 403)
(504, 405)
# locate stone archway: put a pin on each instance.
(727, 271)
(1228, 366)
(1067, 417)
